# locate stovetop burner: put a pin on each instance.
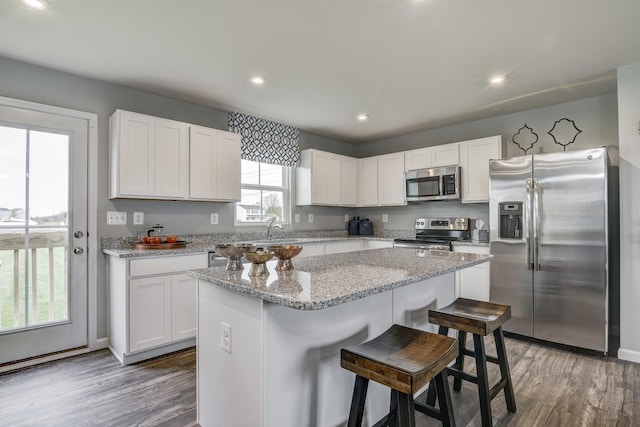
(436, 233)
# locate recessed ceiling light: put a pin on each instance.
(497, 79)
(363, 117)
(36, 4)
(258, 80)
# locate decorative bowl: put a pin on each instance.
(258, 259)
(234, 252)
(284, 253)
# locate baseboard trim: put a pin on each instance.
(101, 343)
(629, 355)
(44, 359)
(129, 358)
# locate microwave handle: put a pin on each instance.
(441, 185)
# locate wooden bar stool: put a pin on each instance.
(405, 360)
(480, 319)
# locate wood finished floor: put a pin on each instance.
(553, 387)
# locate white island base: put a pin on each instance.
(284, 366)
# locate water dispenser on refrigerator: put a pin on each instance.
(510, 220)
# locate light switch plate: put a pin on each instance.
(116, 218)
(385, 218)
(310, 218)
(296, 218)
(138, 218)
(214, 218)
(346, 217)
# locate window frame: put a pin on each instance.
(286, 197)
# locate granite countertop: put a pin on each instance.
(320, 282)
(123, 247)
(127, 251)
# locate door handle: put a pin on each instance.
(78, 250)
(527, 223)
(537, 224)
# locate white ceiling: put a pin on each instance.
(410, 64)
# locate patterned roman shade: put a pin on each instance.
(266, 141)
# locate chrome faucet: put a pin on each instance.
(271, 225)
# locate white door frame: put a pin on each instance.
(94, 343)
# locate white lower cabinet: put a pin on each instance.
(149, 312)
(152, 305)
(474, 282)
(183, 307)
(311, 250)
(377, 244)
(342, 247)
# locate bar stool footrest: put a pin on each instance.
(387, 420)
(428, 410)
(492, 359)
(462, 375)
(497, 388)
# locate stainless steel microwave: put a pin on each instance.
(433, 184)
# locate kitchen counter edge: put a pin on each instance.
(454, 262)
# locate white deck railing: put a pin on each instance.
(47, 269)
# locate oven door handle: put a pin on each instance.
(423, 246)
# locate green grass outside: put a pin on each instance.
(7, 280)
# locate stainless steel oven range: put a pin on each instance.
(436, 233)
(216, 260)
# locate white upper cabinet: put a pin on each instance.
(154, 158)
(148, 157)
(417, 159)
(214, 164)
(445, 155)
(349, 181)
(325, 179)
(431, 157)
(474, 164)
(391, 179)
(368, 181)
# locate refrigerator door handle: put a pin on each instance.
(536, 224)
(527, 223)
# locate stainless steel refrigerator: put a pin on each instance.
(548, 234)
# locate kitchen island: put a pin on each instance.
(268, 348)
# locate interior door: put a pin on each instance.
(511, 274)
(43, 237)
(570, 279)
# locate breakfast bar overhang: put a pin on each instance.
(281, 364)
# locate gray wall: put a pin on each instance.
(629, 128)
(596, 117)
(36, 84)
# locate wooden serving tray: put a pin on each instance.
(180, 244)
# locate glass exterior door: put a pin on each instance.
(43, 215)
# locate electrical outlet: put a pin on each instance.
(225, 337)
(385, 218)
(214, 218)
(346, 217)
(116, 218)
(310, 218)
(296, 218)
(138, 218)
